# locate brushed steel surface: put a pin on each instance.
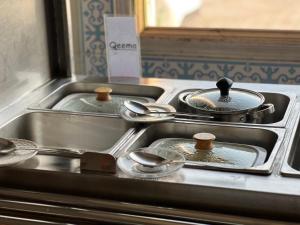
(76, 215)
(24, 60)
(212, 190)
(86, 203)
(94, 133)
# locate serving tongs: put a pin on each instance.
(89, 160)
(8, 146)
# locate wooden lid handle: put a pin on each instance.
(103, 93)
(204, 141)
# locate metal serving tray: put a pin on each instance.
(222, 154)
(49, 102)
(268, 138)
(283, 104)
(291, 163)
(94, 133)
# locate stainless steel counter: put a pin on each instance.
(231, 197)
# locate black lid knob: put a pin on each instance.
(224, 84)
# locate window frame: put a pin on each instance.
(283, 45)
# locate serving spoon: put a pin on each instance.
(141, 109)
(150, 159)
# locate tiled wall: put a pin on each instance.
(201, 69)
(93, 34)
(177, 67)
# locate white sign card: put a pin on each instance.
(122, 47)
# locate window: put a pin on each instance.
(229, 29)
(224, 14)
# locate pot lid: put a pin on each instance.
(222, 99)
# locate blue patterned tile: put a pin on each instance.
(240, 71)
(93, 35)
(177, 67)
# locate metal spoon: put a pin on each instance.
(141, 109)
(150, 160)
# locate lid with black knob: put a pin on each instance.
(225, 99)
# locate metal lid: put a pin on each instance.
(223, 100)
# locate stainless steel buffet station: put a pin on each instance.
(53, 187)
(68, 155)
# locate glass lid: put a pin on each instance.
(201, 149)
(86, 102)
(223, 99)
(99, 102)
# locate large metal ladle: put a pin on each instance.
(141, 109)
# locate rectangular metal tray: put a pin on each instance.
(268, 138)
(291, 163)
(55, 97)
(95, 133)
(283, 104)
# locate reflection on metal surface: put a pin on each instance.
(93, 133)
(51, 163)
